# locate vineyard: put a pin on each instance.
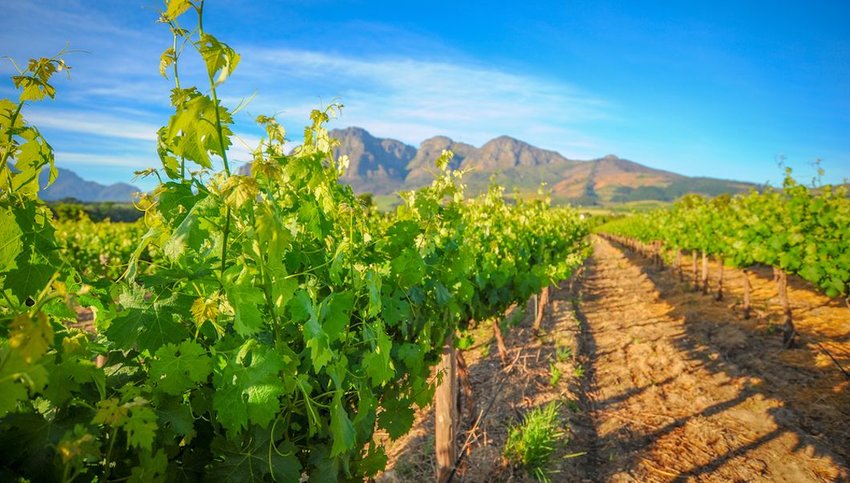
(272, 327)
(794, 231)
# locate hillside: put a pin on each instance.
(70, 185)
(384, 166)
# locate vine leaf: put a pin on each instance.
(148, 326)
(17, 379)
(177, 368)
(248, 388)
(254, 459)
(342, 430)
(246, 300)
(315, 337)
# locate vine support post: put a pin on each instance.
(788, 330)
(696, 270)
(500, 342)
(680, 264)
(747, 290)
(719, 295)
(660, 255)
(445, 411)
(704, 273)
(541, 310)
(536, 305)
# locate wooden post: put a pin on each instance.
(660, 255)
(696, 274)
(465, 404)
(445, 411)
(541, 310)
(500, 342)
(536, 305)
(719, 295)
(704, 273)
(788, 332)
(747, 290)
(678, 263)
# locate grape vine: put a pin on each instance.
(262, 327)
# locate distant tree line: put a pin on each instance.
(73, 209)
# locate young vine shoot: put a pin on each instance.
(263, 326)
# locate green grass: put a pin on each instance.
(554, 375)
(531, 444)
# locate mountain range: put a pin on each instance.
(70, 185)
(383, 166)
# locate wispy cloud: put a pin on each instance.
(412, 99)
(89, 159)
(93, 124)
(109, 112)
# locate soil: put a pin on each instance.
(657, 383)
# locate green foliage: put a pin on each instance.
(248, 327)
(71, 209)
(554, 374)
(800, 230)
(532, 443)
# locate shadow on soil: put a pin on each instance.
(500, 399)
(805, 389)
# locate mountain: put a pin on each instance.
(69, 185)
(374, 163)
(384, 166)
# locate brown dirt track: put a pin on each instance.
(672, 385)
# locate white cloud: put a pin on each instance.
(93, 124)
(117, 96)
(413, 99)
(65, 158)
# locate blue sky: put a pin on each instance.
(700, 88)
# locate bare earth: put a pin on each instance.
(659, 384)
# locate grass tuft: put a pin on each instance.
(532, 443)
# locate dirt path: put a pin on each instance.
(655, 383)
(673, 394)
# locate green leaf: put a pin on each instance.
(337, 314)
(151, 469)
(315, 337)
(175, 8)
(246, 301)
(254, 459)
(248, 388)
(373, 284)
(220, 59)
(409, 268)
(68, 378)
(10, 240)
(28, 279)
(168, 57)
(190, 233)
(192, 131)
(17, 379)
(176, 369)
(147, 328)
(175, 415)
(412, 356)
(377, 361)
(141, 427)
(342, 430)
(397, 416)
(30, 337)
(374, 461)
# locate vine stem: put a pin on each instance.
(108, 461)
(223, 152)
(177, 86)
(8, 154)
